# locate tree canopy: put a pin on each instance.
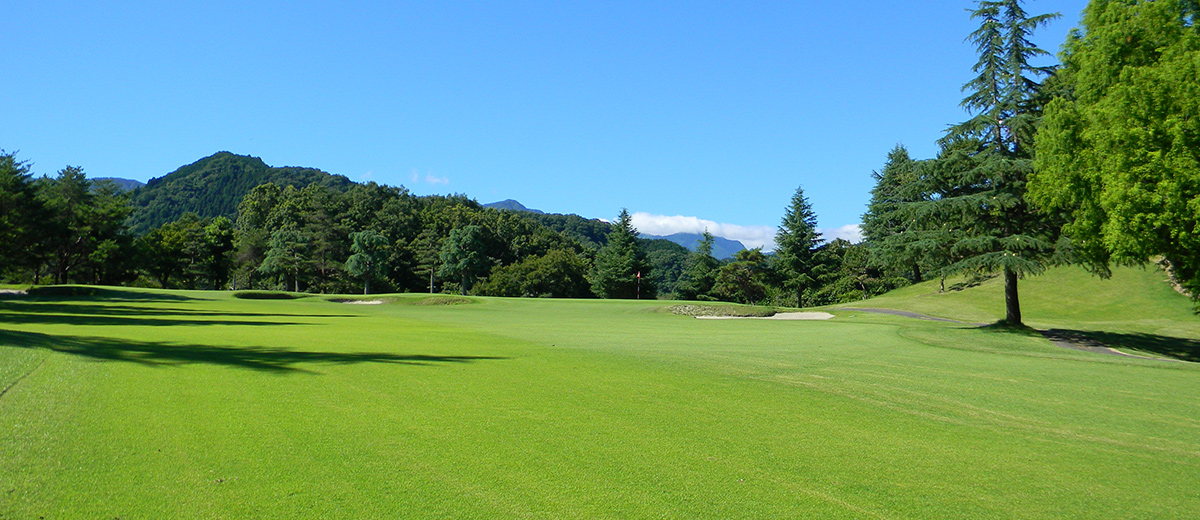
(1118, 155)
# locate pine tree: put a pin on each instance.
(621, 269)
(700, 272)
(796, 243)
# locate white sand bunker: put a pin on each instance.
(12, 291)
(363, 302)
(777, 316)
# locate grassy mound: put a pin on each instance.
(441, 300)
(733, 311)
(266, 295)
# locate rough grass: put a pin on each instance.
(159, 404)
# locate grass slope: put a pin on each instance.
(153, 404)
(1135, 311)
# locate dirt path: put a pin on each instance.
(1059, 338)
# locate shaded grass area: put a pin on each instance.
(1184, 349)
(155, 353)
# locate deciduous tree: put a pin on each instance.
(1120, 155)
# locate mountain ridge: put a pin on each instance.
(214, 185)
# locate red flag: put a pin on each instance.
(639, 275)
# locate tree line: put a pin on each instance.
(374, 238)
(1094, 161)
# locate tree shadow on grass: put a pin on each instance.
(83, 319)
(265, 359)
(1183, 349)
(117, 314)
(76, 292)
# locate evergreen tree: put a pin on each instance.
(885, 227)
(985, 220)
(426, 249)
(80, 217)
(621, 269)
(21, 215)
(744, 279)
(795, 247)
(699, 274)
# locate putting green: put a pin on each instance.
(152, 404)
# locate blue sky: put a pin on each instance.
(710, 111)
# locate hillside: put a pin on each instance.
(214, 186)
(1135, 311)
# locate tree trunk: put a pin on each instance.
(916, 272)
(1012, 304)
(366, 286)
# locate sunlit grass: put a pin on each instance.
(154, 404)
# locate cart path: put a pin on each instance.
(1060, 338)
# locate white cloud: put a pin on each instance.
(429, 178)
(366, 176)
(849, 232)
(750, 236)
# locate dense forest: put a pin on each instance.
(1092, 161)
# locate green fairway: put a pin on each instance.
(156, 404)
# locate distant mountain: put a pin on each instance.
(214, 186)
(123, 184)
(593, 232)
(722, 247)
(512, 205)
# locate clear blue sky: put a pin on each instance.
(715, 110)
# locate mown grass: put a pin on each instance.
(153, 404)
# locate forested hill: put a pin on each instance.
(213, 186)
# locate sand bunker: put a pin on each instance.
(778, 316)
(363, 302)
